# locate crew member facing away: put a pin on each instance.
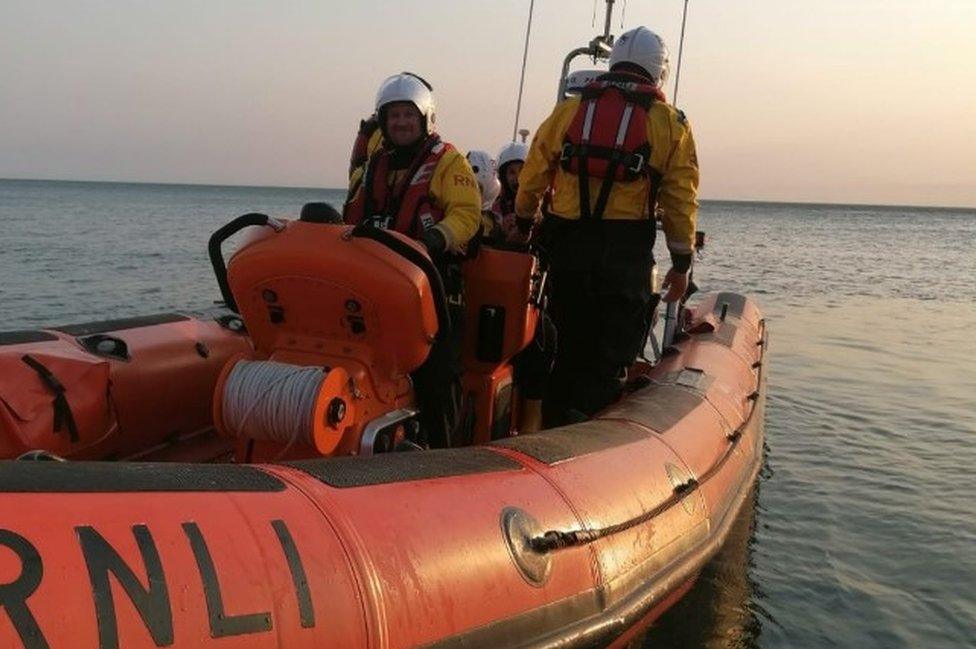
(414, 183)
(510, 161)
(418, 185)
(613, 156)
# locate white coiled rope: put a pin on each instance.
(269, 401)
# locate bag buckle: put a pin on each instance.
(567, 152)
(637, 164)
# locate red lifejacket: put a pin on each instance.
(407, 207)
(359, 153)
(607, 138)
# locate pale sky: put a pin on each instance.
(870, 101)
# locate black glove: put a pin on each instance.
(435, 241)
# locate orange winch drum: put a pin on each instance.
(286, 404)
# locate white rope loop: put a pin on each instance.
(270, 401)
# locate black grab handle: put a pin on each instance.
(217, 257)
(421, 261)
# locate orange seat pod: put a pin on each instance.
(312, 294)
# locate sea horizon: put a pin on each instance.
(737, 201)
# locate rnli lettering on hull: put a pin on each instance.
(152, 603)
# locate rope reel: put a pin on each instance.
(283, 403)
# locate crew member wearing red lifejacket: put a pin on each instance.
(613, 157)
(510, 161)
(418, 185)
(414, 183)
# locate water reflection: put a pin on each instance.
(723, 609)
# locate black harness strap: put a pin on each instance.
(62, 411)
(655, 177)
(583, 153)
(633, 162)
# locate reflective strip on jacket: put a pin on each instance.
(672, 155)
(453, 189)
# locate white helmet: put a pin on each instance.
(408, 87)
(484, 170)
(512, 152)
(644, 48)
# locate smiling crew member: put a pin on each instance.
(414, 183)
(613, 156)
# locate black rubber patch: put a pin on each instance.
(564, 443)
(736, 302)
(121, 477)
(725, 335)
(659, 407)
(21, 337)
(88, 328)
(385, 468)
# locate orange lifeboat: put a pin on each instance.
(213, 534)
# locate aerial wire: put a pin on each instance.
(525, 57)
(681, 47)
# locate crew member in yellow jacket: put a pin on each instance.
(612, 157)
(417, 184)
(414, 182)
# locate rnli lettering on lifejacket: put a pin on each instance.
(464, 181)
(152, 602)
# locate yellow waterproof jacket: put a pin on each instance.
(453, 189)
(672, 155)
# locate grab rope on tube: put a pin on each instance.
(557, 540)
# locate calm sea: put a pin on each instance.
(863, 532)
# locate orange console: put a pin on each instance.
(501, 296)
(315, 294)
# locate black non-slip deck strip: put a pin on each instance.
(659, 407)
(121, 477)
(725, 335)
(565, 443)
(25, 336)
(102, 326)
(736, 302)
(387, 468)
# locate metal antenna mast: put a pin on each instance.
(681, 48)
(525, 57)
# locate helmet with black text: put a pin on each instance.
(484, 170)
(645, 49)
(408, 87)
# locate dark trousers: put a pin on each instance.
(437, 383)
(533, 364)
(599, 277)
